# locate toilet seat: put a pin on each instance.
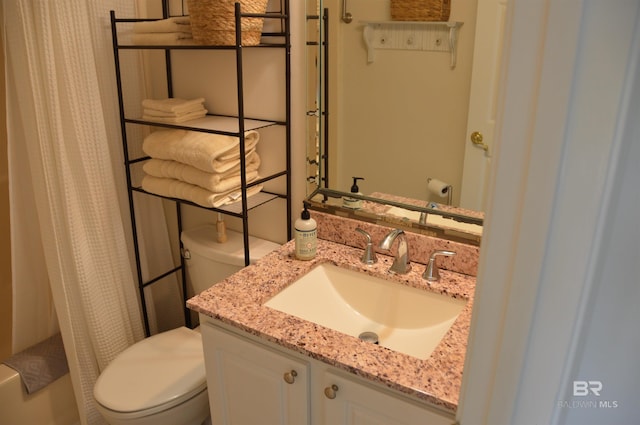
(153, 375)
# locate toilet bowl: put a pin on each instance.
(161, 379)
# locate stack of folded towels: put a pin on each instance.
(173, 110)
(200, 167)
(175, 30)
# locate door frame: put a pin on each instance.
(483, 99)
(556, 146)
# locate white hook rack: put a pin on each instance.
(404, 35)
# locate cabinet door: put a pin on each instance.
(349, 402)
(249, 384)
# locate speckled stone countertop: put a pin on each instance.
(238, 301)
(420, 203)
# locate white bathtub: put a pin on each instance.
(53, 405)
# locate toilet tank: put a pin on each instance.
(208, 261)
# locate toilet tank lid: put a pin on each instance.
(160, 371)
(203, 241)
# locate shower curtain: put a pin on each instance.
(69, 208)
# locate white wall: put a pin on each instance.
(608, 344)
(401, 119)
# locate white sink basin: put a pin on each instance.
(405, 319)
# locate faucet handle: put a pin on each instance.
(431, 272)
(369, 255)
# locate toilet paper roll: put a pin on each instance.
(438, 188)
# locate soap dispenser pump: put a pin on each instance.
(353, 203)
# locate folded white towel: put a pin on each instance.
(174, 105)
(252, 163)
(164, 114)
(213, 182)
(161, 167)
(176, 119)
(162, 38)
(177, 189)
(173, 24)
(208, 152)
(228, 162)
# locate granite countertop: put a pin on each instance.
(238, 301)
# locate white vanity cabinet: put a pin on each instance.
(251, 382)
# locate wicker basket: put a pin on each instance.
(420, 10)
(213, 21)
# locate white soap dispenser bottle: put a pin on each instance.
(306, 235)
(353, 203)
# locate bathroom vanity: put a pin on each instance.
(275, 367)
(257, 382)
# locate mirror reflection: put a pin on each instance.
(401, 118)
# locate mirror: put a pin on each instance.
(399, 121)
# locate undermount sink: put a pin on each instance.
(405, 319)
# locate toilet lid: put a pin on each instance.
(163, 370)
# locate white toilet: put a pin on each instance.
(161, 379)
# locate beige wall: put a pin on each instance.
(5, 245)
(402, 118)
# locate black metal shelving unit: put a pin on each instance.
(244, 123)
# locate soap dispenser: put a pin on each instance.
(353, 203)
(306, 235)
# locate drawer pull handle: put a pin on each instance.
(290, 377)
(330, 392)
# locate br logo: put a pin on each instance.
(584, 388)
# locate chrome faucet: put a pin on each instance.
(401, 264)
(423, 215)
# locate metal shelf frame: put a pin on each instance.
(207, 125)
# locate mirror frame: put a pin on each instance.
(374, 209)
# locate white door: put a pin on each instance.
(485, 79)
